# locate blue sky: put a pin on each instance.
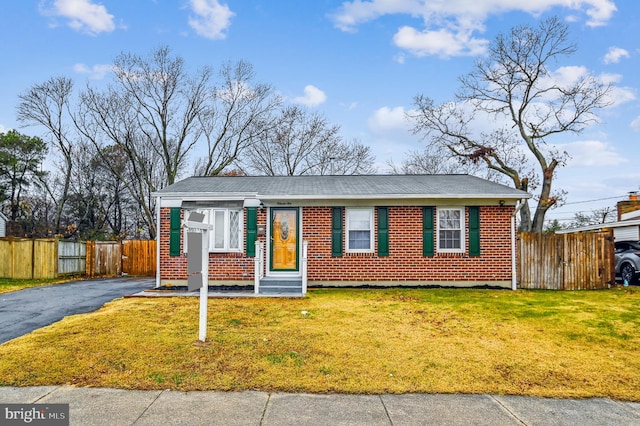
(358, 62)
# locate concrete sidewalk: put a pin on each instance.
(98, 406)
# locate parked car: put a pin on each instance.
(627, 255)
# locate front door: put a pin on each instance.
(284, 239)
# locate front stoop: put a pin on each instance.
(281, 287)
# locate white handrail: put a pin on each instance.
(258, 266)
(305, 249)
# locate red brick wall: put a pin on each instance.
(405, 260)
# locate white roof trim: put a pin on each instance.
(239, 197)
(601, 226)
(635, 214)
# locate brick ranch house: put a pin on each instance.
(285, 233)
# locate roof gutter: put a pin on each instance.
(514, 272)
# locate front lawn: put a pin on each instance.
(543, 343)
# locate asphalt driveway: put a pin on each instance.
(26, 310)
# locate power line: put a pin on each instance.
(597, 199)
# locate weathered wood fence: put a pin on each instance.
(581, 261)
(104, 258)
(72, 258)
(24, 258)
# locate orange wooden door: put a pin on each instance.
(284, 239)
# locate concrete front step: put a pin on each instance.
(272, 286)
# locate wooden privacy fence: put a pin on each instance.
(104, 259)
(139, 257)
(23, 258)
(72, 258)
(580, 261)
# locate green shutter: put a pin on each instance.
(175, 230)
(252, 230)
(383, 231)
(427, 231)
(474, 231)
(336, 231)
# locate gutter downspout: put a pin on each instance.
(514, 276)
(158, 202)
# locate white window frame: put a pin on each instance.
(461, 210)
(209, 215)
(348, 227)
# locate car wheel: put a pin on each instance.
(628, 273)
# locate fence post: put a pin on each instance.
(90, 261)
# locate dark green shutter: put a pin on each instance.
(175, 231)
(336, 231)
(383, 231)
(252, 230)
(474, 231)
(427, 231)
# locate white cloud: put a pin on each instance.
(442, 42)
(592, 154)
(83, 15)
(312, 96)
(449, 25)
(385, 119)
(618, 94)
(635, 124)
(96, 72)
(614, 55)
(390, 135)
(600, 11)
(349, 106)
(210, 19)
(3, 129)
(400, 58)
(570, 75)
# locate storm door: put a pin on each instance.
(284, 239)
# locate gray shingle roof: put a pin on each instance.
(336, 187)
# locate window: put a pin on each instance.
(359, 230)
(226, 235)
(451, 230)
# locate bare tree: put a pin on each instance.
(342, 158)
(304, 143)
(165, 103)
(144, 128)
(515, 90)
(48, 105)
(239, 111)
(595, 217)
(100, 206)
(151, 115)
(108, 121)
(436, 160)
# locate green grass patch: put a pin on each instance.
(538, 343)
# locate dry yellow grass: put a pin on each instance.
(10, 284)
(553, 344)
